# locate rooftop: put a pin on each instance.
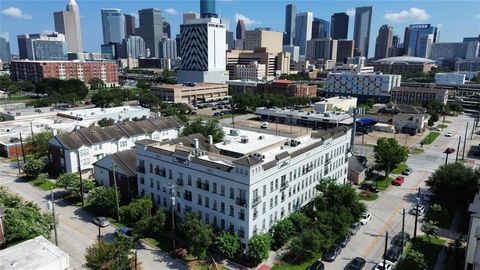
(99, 113)
(406, 59)
(189, 86)
(340, 117)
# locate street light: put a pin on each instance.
(448, 151)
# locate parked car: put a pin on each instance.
(318, 265)
(354, 228)
(397, 239)
(264, 125)
(365, 218)
(356, 264)
(343, 241)
(435, 129)
(332, 253)
(398, 181)
(369, 187)
(101, 221)
(393, 253)
(407, 171)
(420, 209)
(123, 232)
(388, 265)
(449, 134)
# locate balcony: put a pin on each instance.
(140, 169)
(326, 171)
(327, 161)
(283, 185)
(256, 201)
(241, 202)
(203, 186)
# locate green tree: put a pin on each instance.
(200, 234)
(72, 184)
(117, 255)
(228, 243)
(476, 79)
(142, 84)
(38, 143)
(33, 168)
(104, 199)
(434, 106)
(207, 127)
(148, 100)
(137, 210)
(299, 220)
(282, 231)
(433, 118)
(308, 244)
(152, 226)
(454, 178)
(389, 154)
(415, 260)
(259, 246)
(455, 107)
(430, 229)
(96, 83)
(105, 122)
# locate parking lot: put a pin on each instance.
(403, 139)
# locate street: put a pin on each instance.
(369, 242)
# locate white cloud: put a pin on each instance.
(171, 11)
(245, 19)
(413, 14)
(16, 13)
(350, 12)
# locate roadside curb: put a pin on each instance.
(163, 252)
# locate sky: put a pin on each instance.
(455, 19)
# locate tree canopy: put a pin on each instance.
(38, 143)
(72, 184)
(228, 243)
(117, 255)
(389, 154)
(33, 168)
(250, 100)
(105, 122)
(138, 209)
(200, 235)
(104, 200)
(259, 246)
(205, 127)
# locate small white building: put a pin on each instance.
(341, 104)
(451, 78)
(253, 71)
(37, 253)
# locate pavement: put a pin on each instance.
(75, 229)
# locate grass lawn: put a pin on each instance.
(444, 219)
(383, 183)
(368, 196)
(399, 169)
(442, 126)
(115, 223)
(447, 122)
(431, 137)
(429, 248)
(288, 266)
(415, 150)
(18, 97)
(42, 184)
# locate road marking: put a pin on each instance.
(374, 241)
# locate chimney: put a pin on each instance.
(195, 141)
(210, 139)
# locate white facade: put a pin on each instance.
(294, 52)
(450, 78)
(254, 71)
(361, 84)
(245, 194)
(346, 104)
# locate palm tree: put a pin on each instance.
(430, 229)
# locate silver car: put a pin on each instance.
(101, 221)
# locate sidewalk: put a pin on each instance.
(449, 236)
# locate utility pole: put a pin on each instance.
(354, 130)
(31, 129)
(403, 229)
(172, 200)
(18, 160)
(23, 149)
(52, 203)
(116, 190)
(473, 129)
(385, 252)
(458, 147)
(80, 175)
(416, 215)
(465, 142)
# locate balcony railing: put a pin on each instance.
(283, 185)
(327, 161)
(256, 201)
(140, 169)
(241, 202)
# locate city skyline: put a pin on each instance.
(36, 17)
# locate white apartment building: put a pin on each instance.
(245, 183)
(363, 85)
(253, 71)
(451, 78)
(83, 147)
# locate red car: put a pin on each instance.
(398, 181)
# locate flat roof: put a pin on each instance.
(187, 87)
(335, 100)
(317, 116)
(256, 141)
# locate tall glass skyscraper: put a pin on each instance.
(290, 16)
(5, 55)
(339, 25)
(151, 29)
(361, 31)
(208, 9)
(320, 28)
(303, 31)
(418, 37)
(113, 25)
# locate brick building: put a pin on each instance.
(24, 70)
(288, 88)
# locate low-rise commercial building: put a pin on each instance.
(82, 147)
(245, 183)
(242, 86)
(363, 85)
(468, 64)
(451, 78)
(405, 118)
(288, 88)
(420, 95)
(253, 71)
(403, 64)
(191, 93)
(23, 70)
(336, 104)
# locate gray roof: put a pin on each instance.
(247, 161)
(355, 164)
(392, 107)
(95, 135)
(406, 59)
(125, 159)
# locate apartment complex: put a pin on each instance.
(418, 95)
(253, 71)
(245, 183)
(275, 63)
(191, 93)
(82, 147)
(288, 88)
(23, 70)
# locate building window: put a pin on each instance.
(207, 202)
(232, 214)
(232, 193)
(199, 199)
(222, 190)
(222, 207)
(264, 207)
(214, 188)
(214, 207)
(189, 180)
(264, 190)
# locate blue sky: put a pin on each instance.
(455, 19)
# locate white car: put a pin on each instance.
(388, 265)
(449, 134)
(365, 218)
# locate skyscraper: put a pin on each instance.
(113, 25)
(361, 30)
(418, 37)
(240, 33)
(42, 46)
(339, 26)
(166, 29)
(190, 16)
(68, 23)
(208, 9)
(134, 47)
(384, 41)
(320, 29)
(230, 40)
(5, 55)
(168, 48)
(303, 30)
(203, 51)
(259, 38)
(345, 49)
(129, 25)
(290, 17)
(151, 29)
(322, 48)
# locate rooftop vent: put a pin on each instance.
(258, 155)
(244, 139)
(234, 132)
